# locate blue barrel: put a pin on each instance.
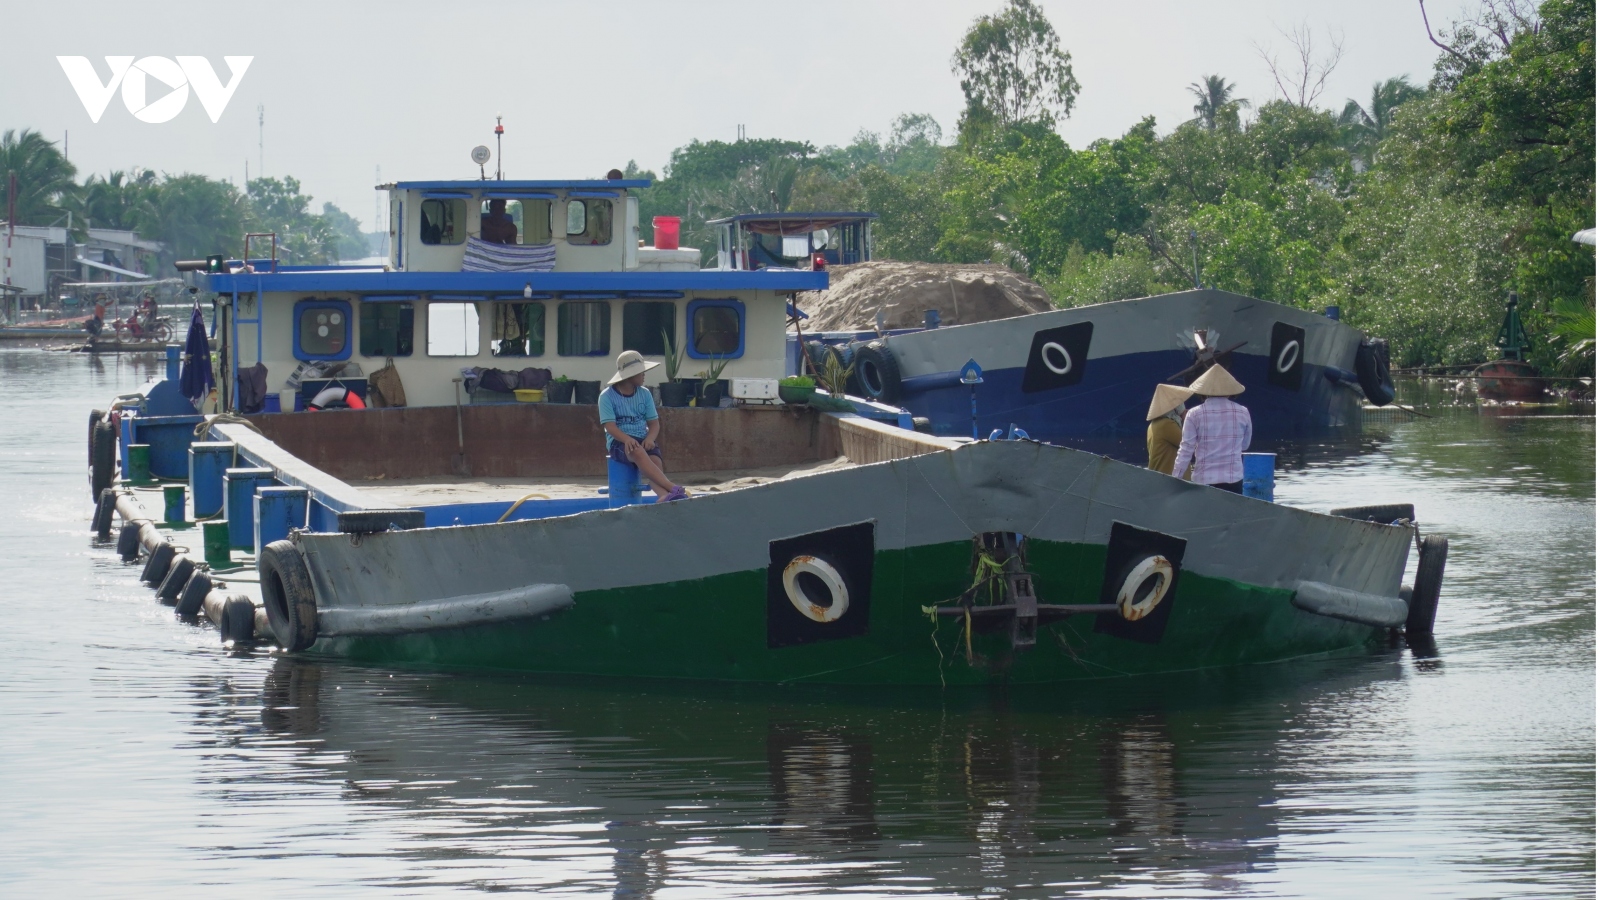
(623, 483)
(1258, 475)
(239, 504)
(207, 461)
(172, 363)
(279, 509)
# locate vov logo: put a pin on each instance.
(134, 77)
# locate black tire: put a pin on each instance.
(373, 521)
(1425, 589)
(178, 575)
(193, 597)
(1372, 370)
(104, 512)
(155, 568)
(816, 352)
(1383, 513)
(95, 415)
(104, 466)
(877, 373)
(128, 542)
(238, 620)
(286, 593)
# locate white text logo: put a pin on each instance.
(134, 76)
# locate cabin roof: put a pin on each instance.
(796, 217)
(373, 281)
(591, 184)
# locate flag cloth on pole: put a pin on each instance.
(195, 379)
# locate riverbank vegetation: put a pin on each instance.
(1414, 209)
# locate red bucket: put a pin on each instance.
(666, 228)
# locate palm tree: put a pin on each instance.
(120, 200)
(1215, 95)
(44, 177)
(1365, 128)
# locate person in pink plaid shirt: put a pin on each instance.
(1215, 434)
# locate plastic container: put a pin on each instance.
(218, 553)
(138, 463)
(666, 228)
(1258, 475)
(175, 497)
(529, 395)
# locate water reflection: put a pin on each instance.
(729, 788)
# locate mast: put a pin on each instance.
(1512, 340)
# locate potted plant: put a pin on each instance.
(559, 390)
(711, 387)
(674, 392)
(586, 393)
(797, 389)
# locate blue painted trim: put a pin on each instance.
(376, 282)
(688, 327)
(593, 195)
(517, 195)
(489, 513)
(391, 298)
(446, 195)
(591, 183)
(456, 298)
(343, 306)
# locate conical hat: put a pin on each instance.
(1168, 398)
(1217, 382)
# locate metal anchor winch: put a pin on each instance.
(1001, 575)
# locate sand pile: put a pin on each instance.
(962, 294)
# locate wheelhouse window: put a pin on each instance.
(589, 222)
(387, 329)
(648, 325)
(500, 221)
(716, 328)
(583, 328)
(322, 329)
(517, 329)
(452, 329)
(444, 221)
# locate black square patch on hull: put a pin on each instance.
(1142, 567)
(819, 585)
(1288, 356)
(1057, 358)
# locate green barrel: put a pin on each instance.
(175, 496)
(216, 543)
(139, 463)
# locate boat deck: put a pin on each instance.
(436, 490)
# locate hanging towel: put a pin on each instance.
(482, 256)
(195, 379)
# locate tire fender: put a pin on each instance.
(287, 594)
(878, 373)
(1424, 604)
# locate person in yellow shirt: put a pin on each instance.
(1165, 433)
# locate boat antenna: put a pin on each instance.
(499, 175)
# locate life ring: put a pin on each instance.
(336, 397)
(1288, 356)
(1066, 358)
(1135, 602)
(806, 601)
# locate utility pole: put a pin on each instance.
(11, 232)
(261, 136)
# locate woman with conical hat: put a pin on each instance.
(1216, 433)
(1165, 433)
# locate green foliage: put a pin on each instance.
(1012, 68)
(804, 382)
(195, 216)
(674, 356)
(121, 200)
(1215, 101)
(1365, 127)
(45, 186)
(350, 242)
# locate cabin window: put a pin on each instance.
(486, 226)
(387, 329)
(517, 329)
(583, 328)
(646, 326)
(589, 222)
(535, 225)
(444, 221)
(716, 328)
(452, 329)
(322, 329)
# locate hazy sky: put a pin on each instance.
(413, 86)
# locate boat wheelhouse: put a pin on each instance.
(569, 290)
(793, 240)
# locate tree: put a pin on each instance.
(120, 200)
(277, 205)
(195, 216)
(44, 177)
(350, 241)
(1012, 68)
(1214, 95)
(1303, 79)
(1364, 128)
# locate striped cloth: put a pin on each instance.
(1215, 435)
(482, 256)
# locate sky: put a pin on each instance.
(348, 87)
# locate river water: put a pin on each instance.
(138, 757)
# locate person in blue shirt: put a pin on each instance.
(628, 415)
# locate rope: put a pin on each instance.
(204, 427)
(519, 503)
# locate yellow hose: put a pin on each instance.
(519, 503)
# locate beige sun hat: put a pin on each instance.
(629, 364)
(1217, 382)
(1168, 398)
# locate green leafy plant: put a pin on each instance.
(674, 356)
(712, 372)
(798, 381)
(834, 374)
(561, 378)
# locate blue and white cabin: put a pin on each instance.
(567, 289)
(794, 240)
